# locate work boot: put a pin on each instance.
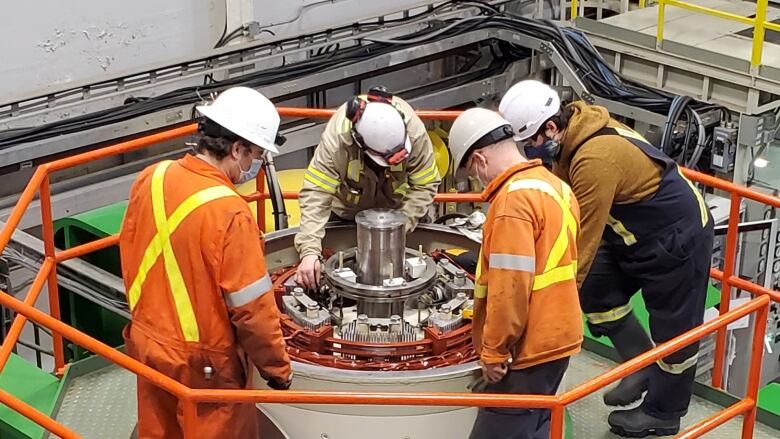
(629, 389)
(636, 423)
(630, 340)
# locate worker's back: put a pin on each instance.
(175, 283)
(530, 245)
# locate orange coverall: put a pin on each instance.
(200, 297)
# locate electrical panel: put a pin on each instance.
(724, 148)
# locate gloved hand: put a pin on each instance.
(276, 385)
(309, 270)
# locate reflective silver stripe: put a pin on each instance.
(677, 369)
(512, 262)
(249, 292)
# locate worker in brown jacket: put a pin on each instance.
(527, 320)
(644, 226)
(195, 275)
(375, 152)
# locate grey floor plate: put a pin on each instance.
(589, 415)
(101, 404)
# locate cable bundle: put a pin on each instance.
(599, 77)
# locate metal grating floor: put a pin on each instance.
(589, 415)
(101, 404)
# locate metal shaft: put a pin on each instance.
(381, 241)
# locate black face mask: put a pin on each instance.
(549, 152)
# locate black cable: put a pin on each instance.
(598, 76)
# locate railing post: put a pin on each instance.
(758, 36)
(47, 226)
(659, 30)
(190, 412)
(725, 292)
(557, 421)
(754, 372)
(574, 5)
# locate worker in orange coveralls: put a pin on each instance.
(195, 274)
(527, 320)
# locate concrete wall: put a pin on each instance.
(49, 45)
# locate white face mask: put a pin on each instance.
(251, 173)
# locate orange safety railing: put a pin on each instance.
(40, 183)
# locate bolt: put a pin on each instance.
(445, 312)
(312, 310)
(460, 278)
(341, 260)
(461, 296)
(297, 292)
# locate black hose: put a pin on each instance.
(277, 201)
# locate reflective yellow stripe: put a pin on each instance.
(425, 176)
(346, 125)
(558, 274)
(353, 170)
(480, 289)
(628, 238)
(321, 180)
(161, 244)
(631, 133)
(702, 205)
(677, 369)
(570, 223)
(609, 316)
(402, 189)
(322, 176)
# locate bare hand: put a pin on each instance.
(494, 372)
(308, 274)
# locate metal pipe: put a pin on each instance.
(39, 418)
(19, 320)
(47, 226)
(758, 36)
(190, 414)
(709, 11)
(725, 292)
(662, 351)
(716, 420)
(740, 190)
(21, 206)
(754, 372)
(123, 147)
(557, 420)
(84, 249)
(448, 399)
(160, 380)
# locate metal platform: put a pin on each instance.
(100, 404)
(589, 415)
(702, 56)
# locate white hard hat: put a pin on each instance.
(246, 113)
(476, 128)
(382, 130)
(527, 105)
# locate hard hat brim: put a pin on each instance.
(219, 117)
(382, 162)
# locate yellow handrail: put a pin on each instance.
(759, 23)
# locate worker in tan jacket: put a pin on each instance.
(375, 152)
(527, 320)
(644, 226)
